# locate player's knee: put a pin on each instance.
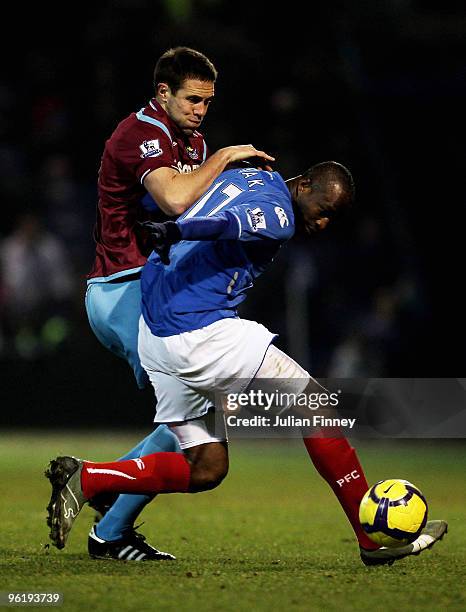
(205, 478)
(209, 466)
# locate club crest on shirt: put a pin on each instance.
(193, 154)
(256, 218)
(150, 148)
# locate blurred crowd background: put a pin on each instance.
(379, 87)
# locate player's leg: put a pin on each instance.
(205, 445)
(337, 462)
(123, 510)
(155, 442)
(198, 469)
(195, 425)
(113, 310)
(202, 466)
(120, 518)
(329, 450)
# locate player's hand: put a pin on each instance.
(163, 236)
(259, 164)
(240, 152)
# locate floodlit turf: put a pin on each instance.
(272, 537)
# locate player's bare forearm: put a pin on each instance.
(175, 192)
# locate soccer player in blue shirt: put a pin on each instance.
(195, 348)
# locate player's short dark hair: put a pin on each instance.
(181, 63)
(335, 182)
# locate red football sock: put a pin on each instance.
(337, 463)
(157, 473)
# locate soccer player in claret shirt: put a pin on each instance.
(194, 346)
(156, 154)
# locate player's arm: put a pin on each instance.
(239, 223)
(224, 226)
(175, 192)
(244, 222)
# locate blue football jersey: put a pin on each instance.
(206, 280)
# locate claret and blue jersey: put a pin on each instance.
(206, 280)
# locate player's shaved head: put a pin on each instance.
(333, 182)
(321, 193)
(181, 63)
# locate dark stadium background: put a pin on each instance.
(379, 87)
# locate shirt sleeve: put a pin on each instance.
(264, 220)
(224, 226)
(145, 149)
(246, 223)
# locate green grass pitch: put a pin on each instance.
(271, 537)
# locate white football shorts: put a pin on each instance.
(206, 429)
(188, 370)
(285, 376)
